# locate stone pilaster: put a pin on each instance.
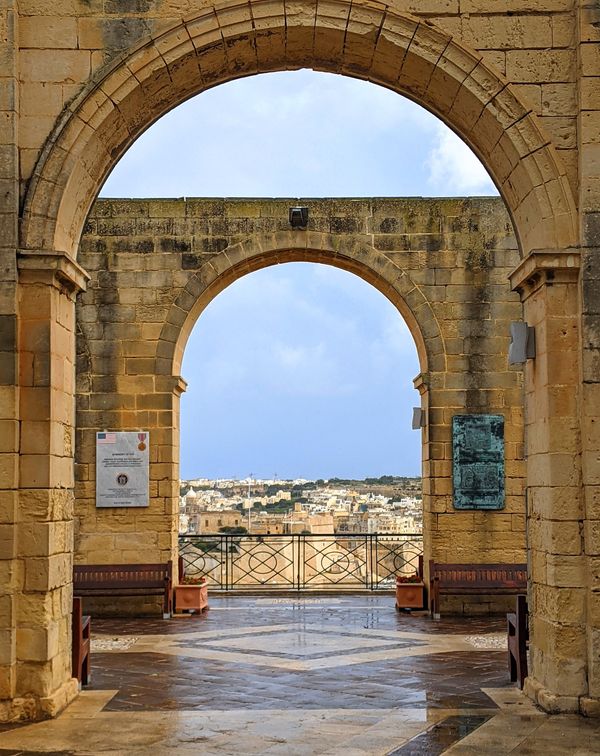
(170, 455)
(548, 282)
(421, 384)
(588, 52)
(48, 284)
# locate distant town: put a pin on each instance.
(388, 504)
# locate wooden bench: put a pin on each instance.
(517, 627)
(82, 636)
(474, 579)
(125, 580)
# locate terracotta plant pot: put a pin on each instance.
(191, 597)
(410, 595)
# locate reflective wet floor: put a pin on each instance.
(346, 675)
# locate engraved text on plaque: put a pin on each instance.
(478, 461)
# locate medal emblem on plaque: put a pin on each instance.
(141, 439)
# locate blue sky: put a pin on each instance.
(300, 370)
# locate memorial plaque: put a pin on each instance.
(478, 461)
(122, 469)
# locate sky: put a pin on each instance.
(299, 370)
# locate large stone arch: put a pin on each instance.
(228, 41)
(409, 56)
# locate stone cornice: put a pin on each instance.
(421, 383)
(545, 267)
(53, 269)
(174, 383)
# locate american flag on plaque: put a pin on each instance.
(106, 438)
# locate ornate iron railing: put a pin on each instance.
(365, 561)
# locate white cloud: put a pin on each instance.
(292, 357)
(454, 169)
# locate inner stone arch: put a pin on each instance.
(350, 254)
(136, 326)
(246, 257)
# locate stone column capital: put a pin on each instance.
(545, 267)
(421, 383)
(173, 383)
(179, 385)
(56, 269)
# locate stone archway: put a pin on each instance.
(341, 251)
(410, 56)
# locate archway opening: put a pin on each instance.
(443, 263)
(327, 136)
(296, 429)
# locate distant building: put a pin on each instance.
(212, 522)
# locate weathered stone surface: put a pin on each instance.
(467, 303)
(519, 80)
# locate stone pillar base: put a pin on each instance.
(590, 707)
(31, 708)
(557, 704)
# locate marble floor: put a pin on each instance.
(261, 675)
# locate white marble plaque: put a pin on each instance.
(122, 469)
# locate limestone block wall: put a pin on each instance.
(519, 81)
(155, 264)
(10, 578)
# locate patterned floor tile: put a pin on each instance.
(308, 676)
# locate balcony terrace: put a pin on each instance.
(303, 675)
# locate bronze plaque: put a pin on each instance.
(478, 461)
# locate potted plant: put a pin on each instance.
(410, 591)
(191, 594)
(193, 580)
(416, 578)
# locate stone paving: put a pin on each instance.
(346, 675)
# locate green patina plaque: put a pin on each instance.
(478, 461)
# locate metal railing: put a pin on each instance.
(365, 561)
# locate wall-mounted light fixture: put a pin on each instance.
(418, 418)
(522, 343)
(298, 217)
